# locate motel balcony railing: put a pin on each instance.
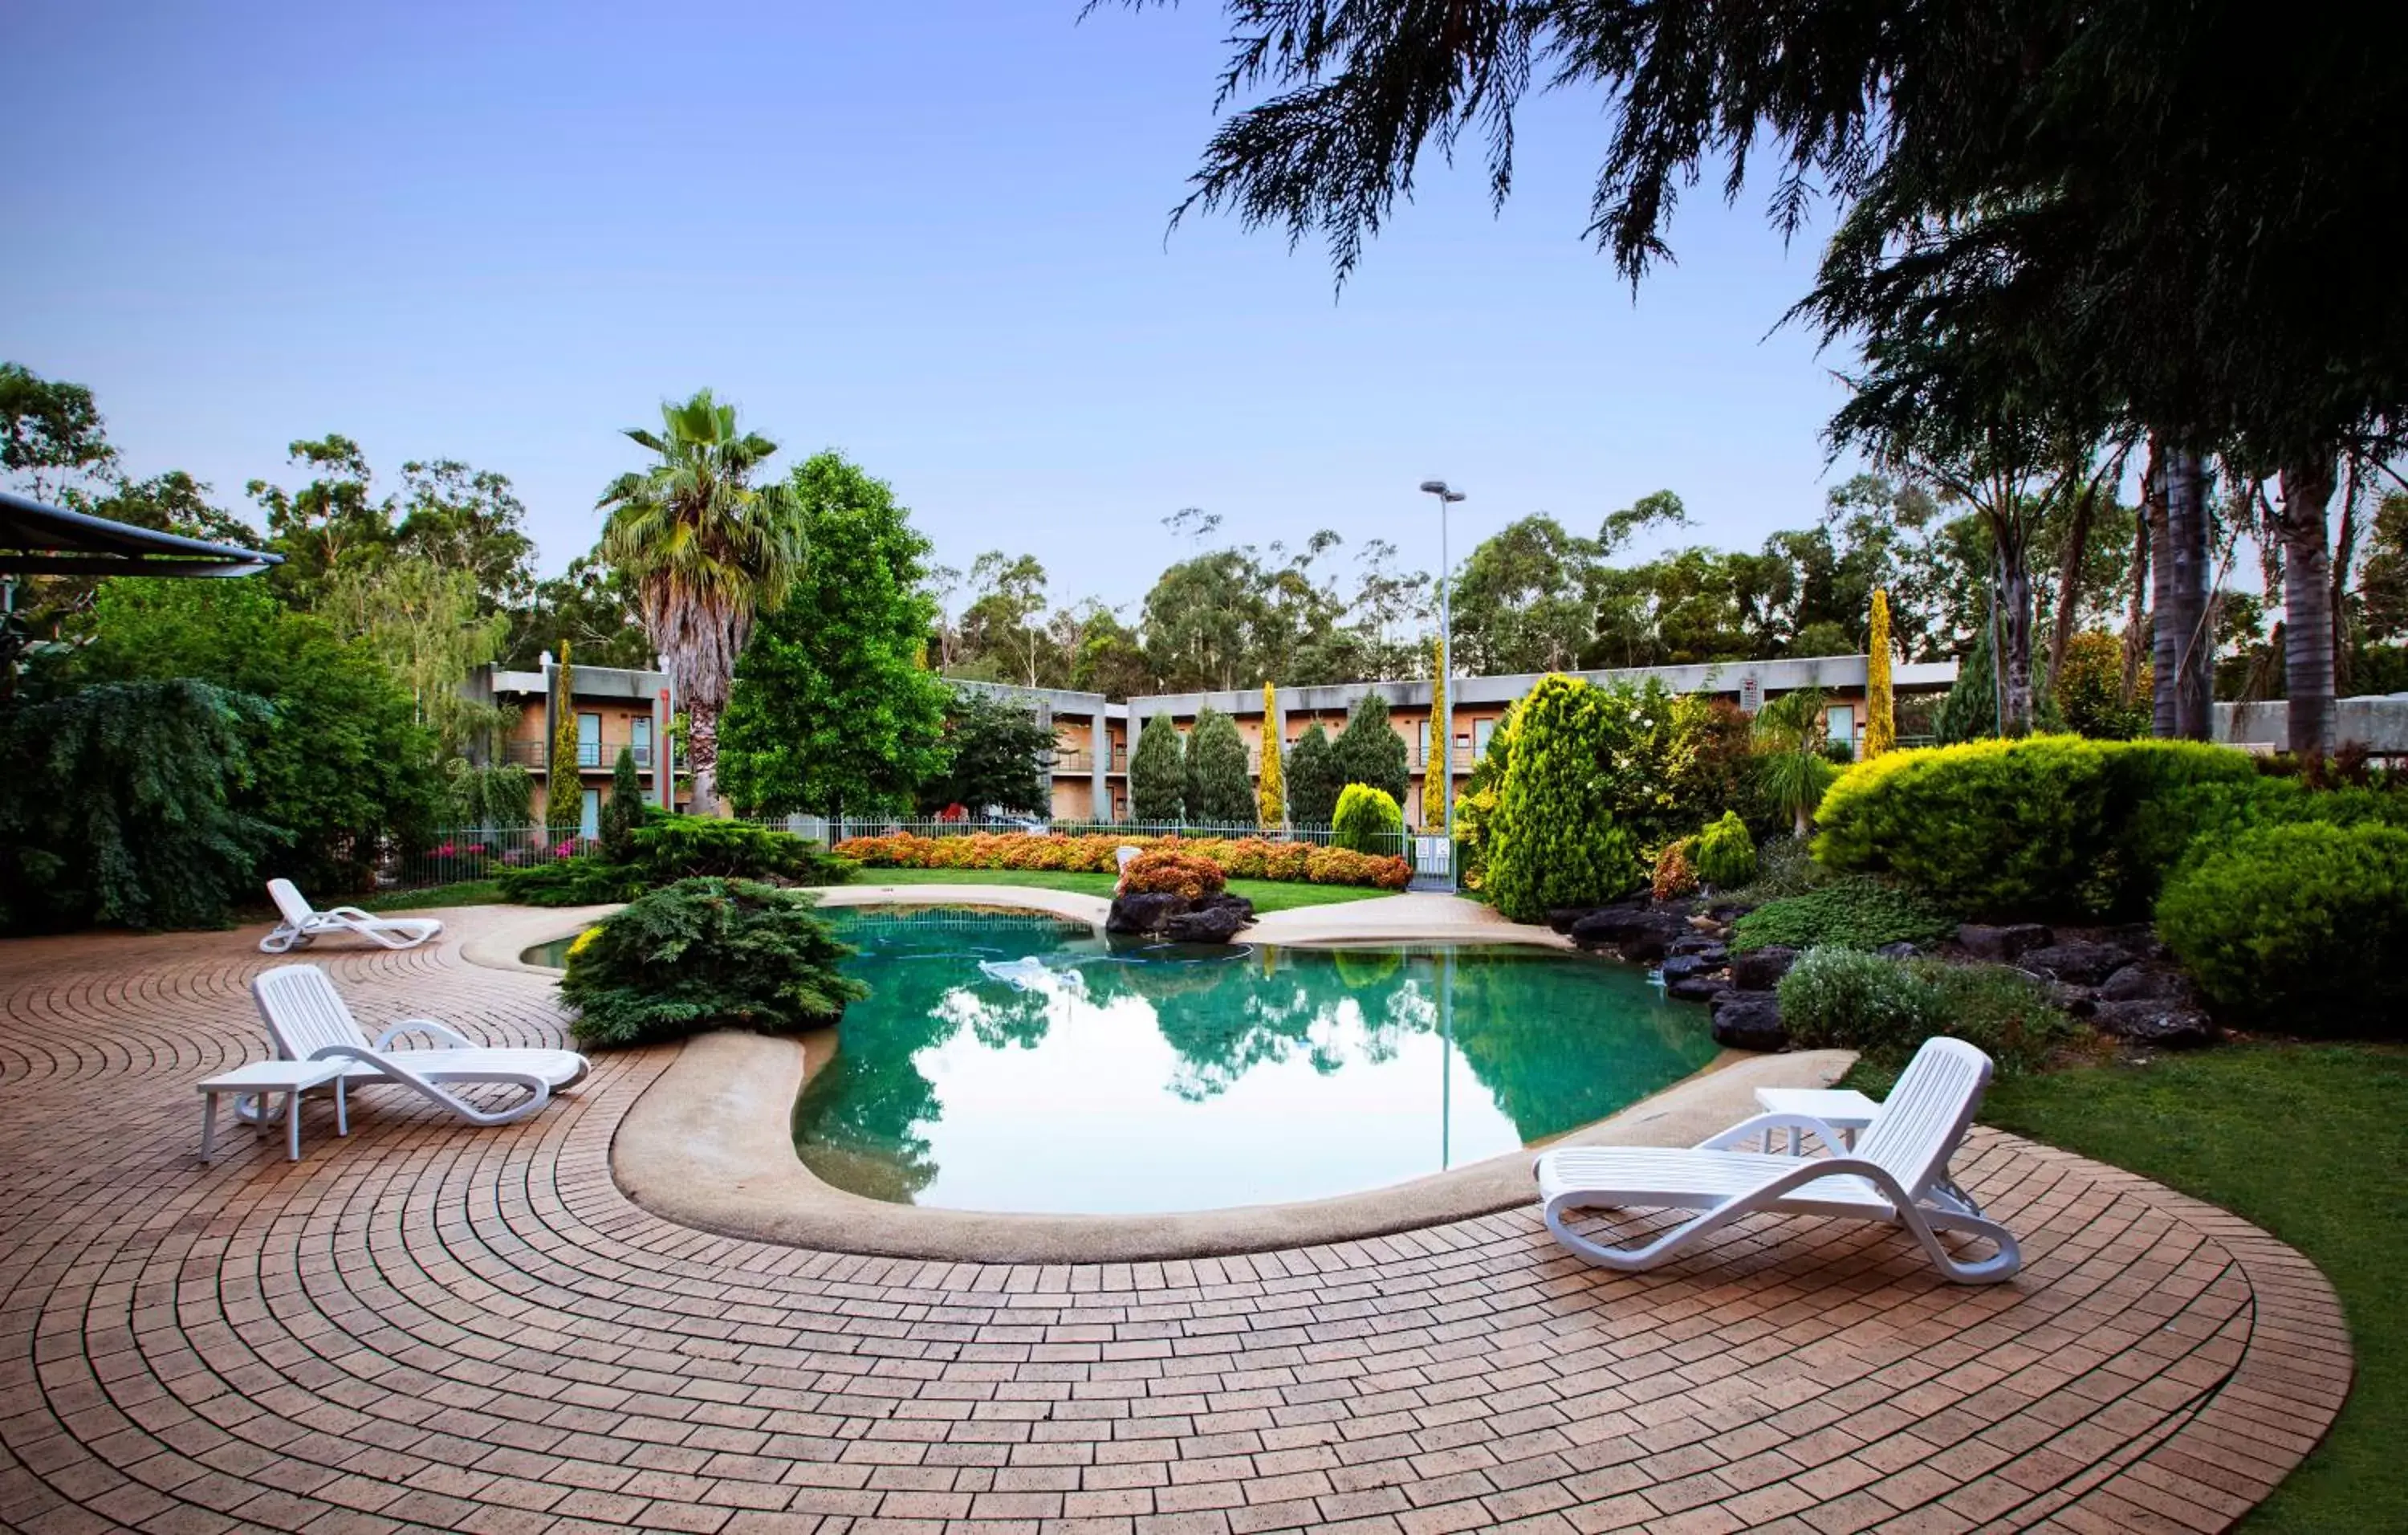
(536, 757)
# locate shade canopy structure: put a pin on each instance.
(39, 539)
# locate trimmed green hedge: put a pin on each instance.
(2045, 827)
(2300, 927)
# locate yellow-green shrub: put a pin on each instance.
(1725, 854)
(1368, 820)
(2045, 827)
(1554, 841)
(2298, 927)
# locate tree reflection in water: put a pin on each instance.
(1551, 1041)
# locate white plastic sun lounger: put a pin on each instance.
(309, 1022)
(302, 921)
(1898, 1175)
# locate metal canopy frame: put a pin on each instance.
(40, 540)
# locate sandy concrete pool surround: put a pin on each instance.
(712, 1143)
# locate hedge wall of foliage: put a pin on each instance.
(1219, 789)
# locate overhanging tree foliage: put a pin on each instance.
(116, 806)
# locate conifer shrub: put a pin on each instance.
(2298, 927)
(707, 954)
(2045, 827)
(1218, 791)
(623, 812)
(1848, 914)
(1554, 841)
(1369, 751)
(1725, 854)
(1158, 772)
(1368, 821)
(1313, 780)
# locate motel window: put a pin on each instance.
(589, 814)
(589, 741)
(1482, 730)
(639, 739)
(1423, 745)
(1841, 722)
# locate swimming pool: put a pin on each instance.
(1012, 1061)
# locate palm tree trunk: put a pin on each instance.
(2307, 603)
(2183, 614)
(2344, 552)
(2137, 614)
(702, 756)
(2014, 600)
(2165, 643)
(2069, 583)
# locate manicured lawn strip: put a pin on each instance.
(2310, 1142)
(465, 893)
(1268, 895)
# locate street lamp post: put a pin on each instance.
(1445, 723)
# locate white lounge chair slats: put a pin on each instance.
(302, 921)
(309, 1021)
(1898, 1173)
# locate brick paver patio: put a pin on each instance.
(431, 1327)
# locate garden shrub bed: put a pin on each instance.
(1850, 914)
(1847, 1000)
(707, 954)
(664, 849)
(1237, 857)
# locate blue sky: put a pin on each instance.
(929, 234)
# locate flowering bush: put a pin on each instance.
(1240, 857)
(1168, 871)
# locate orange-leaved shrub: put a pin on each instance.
(1168, 871)
(1238, 857)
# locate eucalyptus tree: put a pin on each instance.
(706, 551)
(2177, 192)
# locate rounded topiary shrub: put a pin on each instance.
(1993, 827)
(2299, 927)
(707, 954)
(1367, 820)
(1169, 871)
(1554, 841)
(1725, 853)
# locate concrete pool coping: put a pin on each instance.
(711, 1143)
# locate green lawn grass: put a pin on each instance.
(2310, 1142)
(1268, 895)
(465, 893)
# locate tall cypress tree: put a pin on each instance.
(1218, 790)
(1369, 751)
(1313, 780)
(1271, 791)
(1437, 771)
(1157, 782)
(1881, 707)
(564, 806)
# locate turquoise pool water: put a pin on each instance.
(1010, 1061)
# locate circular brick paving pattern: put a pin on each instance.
(434, 1326)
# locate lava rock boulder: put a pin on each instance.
(1749, 1020)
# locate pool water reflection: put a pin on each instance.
(1011, 1061)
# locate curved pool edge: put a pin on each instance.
(709, 1146)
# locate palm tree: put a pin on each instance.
(705, 550)
(1789, 755)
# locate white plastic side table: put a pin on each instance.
(261, 1077)
(1845, 1110)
